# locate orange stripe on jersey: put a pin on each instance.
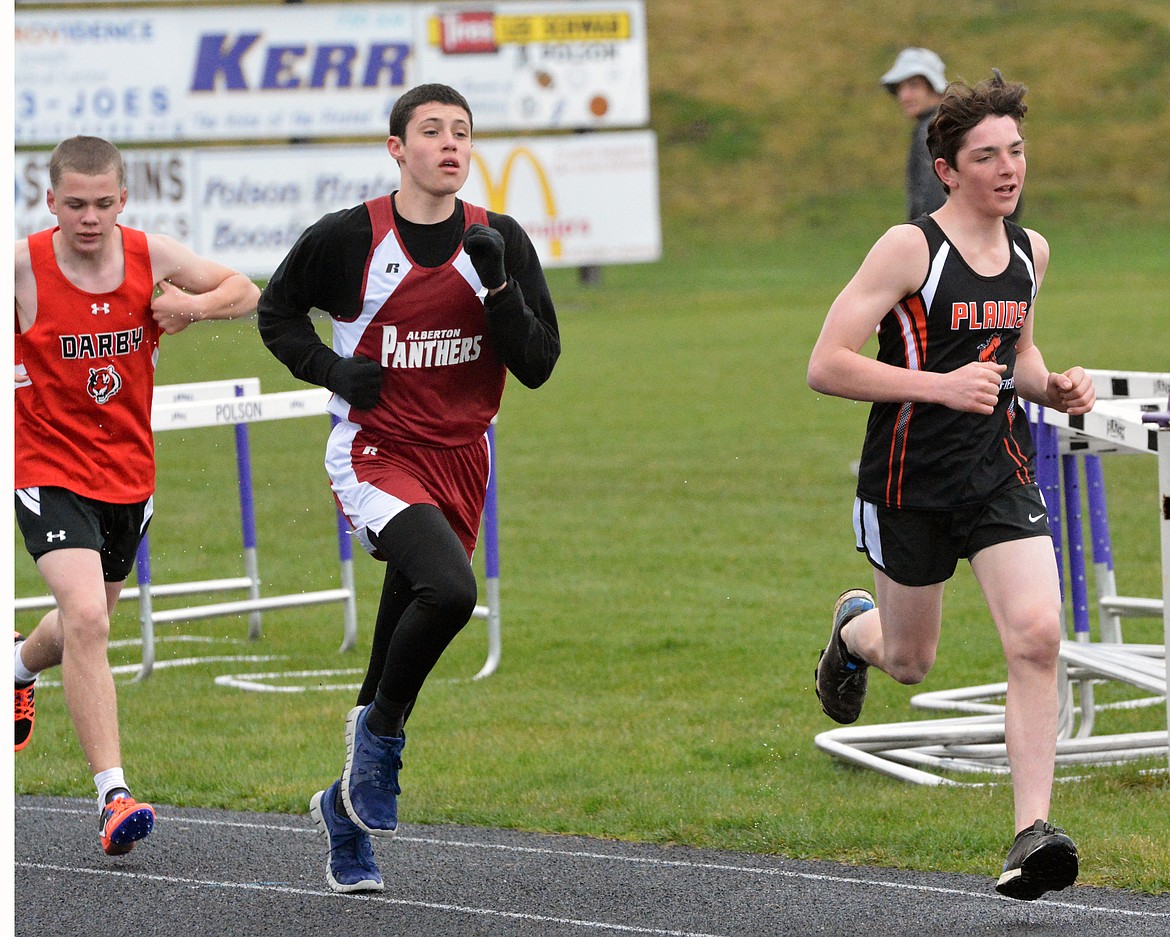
(1015, 455)
(910, 314)
(912, 319)
(898, 446)
(1013, 448)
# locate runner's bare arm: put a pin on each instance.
(192, 288)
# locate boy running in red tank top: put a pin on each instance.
(92, 299)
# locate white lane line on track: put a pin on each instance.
(662, 863)
(374, 897)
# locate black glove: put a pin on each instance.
(357, 380)
(485, 247)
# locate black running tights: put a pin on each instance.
(428, 595)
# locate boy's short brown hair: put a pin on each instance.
(406, 105)
(90, 156)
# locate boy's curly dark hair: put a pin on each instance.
(963, 108)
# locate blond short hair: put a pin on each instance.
(90, 156)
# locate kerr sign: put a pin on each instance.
(139, 74)
(227, 73)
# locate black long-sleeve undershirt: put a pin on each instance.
(325, 268)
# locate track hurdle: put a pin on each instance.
(1132, 415)
(227, 403)
(491, 562)
(1058, 441)
(237, 403)
(1162, 419)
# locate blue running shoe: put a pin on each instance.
(369, 785)
(350, 866)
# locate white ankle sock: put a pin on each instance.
(108, 780)
(23, 674)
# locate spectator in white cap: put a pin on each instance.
(918, 79)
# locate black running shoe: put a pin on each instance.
(1041, 859)
(841, 678)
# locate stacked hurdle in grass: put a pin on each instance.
(1131, 417)
(237, 403)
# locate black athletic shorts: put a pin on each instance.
(920, 548)
(56, 519)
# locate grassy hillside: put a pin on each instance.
(771, 116)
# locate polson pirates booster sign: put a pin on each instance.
(583, 198)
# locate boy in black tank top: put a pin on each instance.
(947, 468)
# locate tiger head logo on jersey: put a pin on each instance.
(988, 349)
(103, 383)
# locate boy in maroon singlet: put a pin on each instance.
(432, 301)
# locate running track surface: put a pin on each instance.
(212, 872)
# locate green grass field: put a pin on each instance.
(675, 525)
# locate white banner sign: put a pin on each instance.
(540, 66)
(141, 74)
(584, 199)
(158, 185)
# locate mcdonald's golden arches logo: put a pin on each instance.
(497, 193)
